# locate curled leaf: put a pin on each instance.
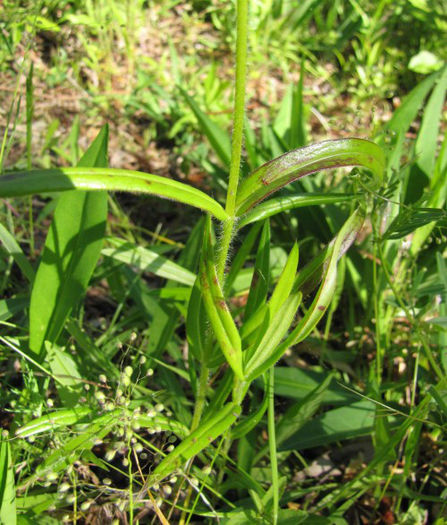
(295, 164)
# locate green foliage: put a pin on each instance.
(147, 383)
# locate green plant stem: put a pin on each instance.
(272, 445)
(240, 389)
(236, 140)
(201, 395)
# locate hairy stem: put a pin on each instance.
(236, 142)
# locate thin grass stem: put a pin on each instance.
(272, 444)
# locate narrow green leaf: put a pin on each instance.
(427, 140)
(7, 488)
(407, 111)
(196, 442)
(36, 504)
(13, 248)
(220, 395)
(297, 129)
(216, 307)
(268, 352)
(71, 251)
(293, 165)
(219, 139)
(289, 202)
(197, 326)
(53, 421)
(147, 260)
(296, 384)
(261, 274)
(285, 282)
(260, 319)
(9, 307)
(110, 179)
(324, 295)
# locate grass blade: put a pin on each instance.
(241, 256)
(7, 488)
(62, 365)
(148, 261)
(427, 140)
(219, 139)
(72, 249)
(13, 248)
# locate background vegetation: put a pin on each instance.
(360, 406)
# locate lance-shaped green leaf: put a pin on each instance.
(295, 164)
(196, 442)
(219, 139)
(310, 276)
(289, 202)
(285, 282)
(281, 292)
(271, 349)
(261, 274)
(196, 326)
(94, 179)
(266, 353)
(325, 292)
(225, 330)
(72, 249)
